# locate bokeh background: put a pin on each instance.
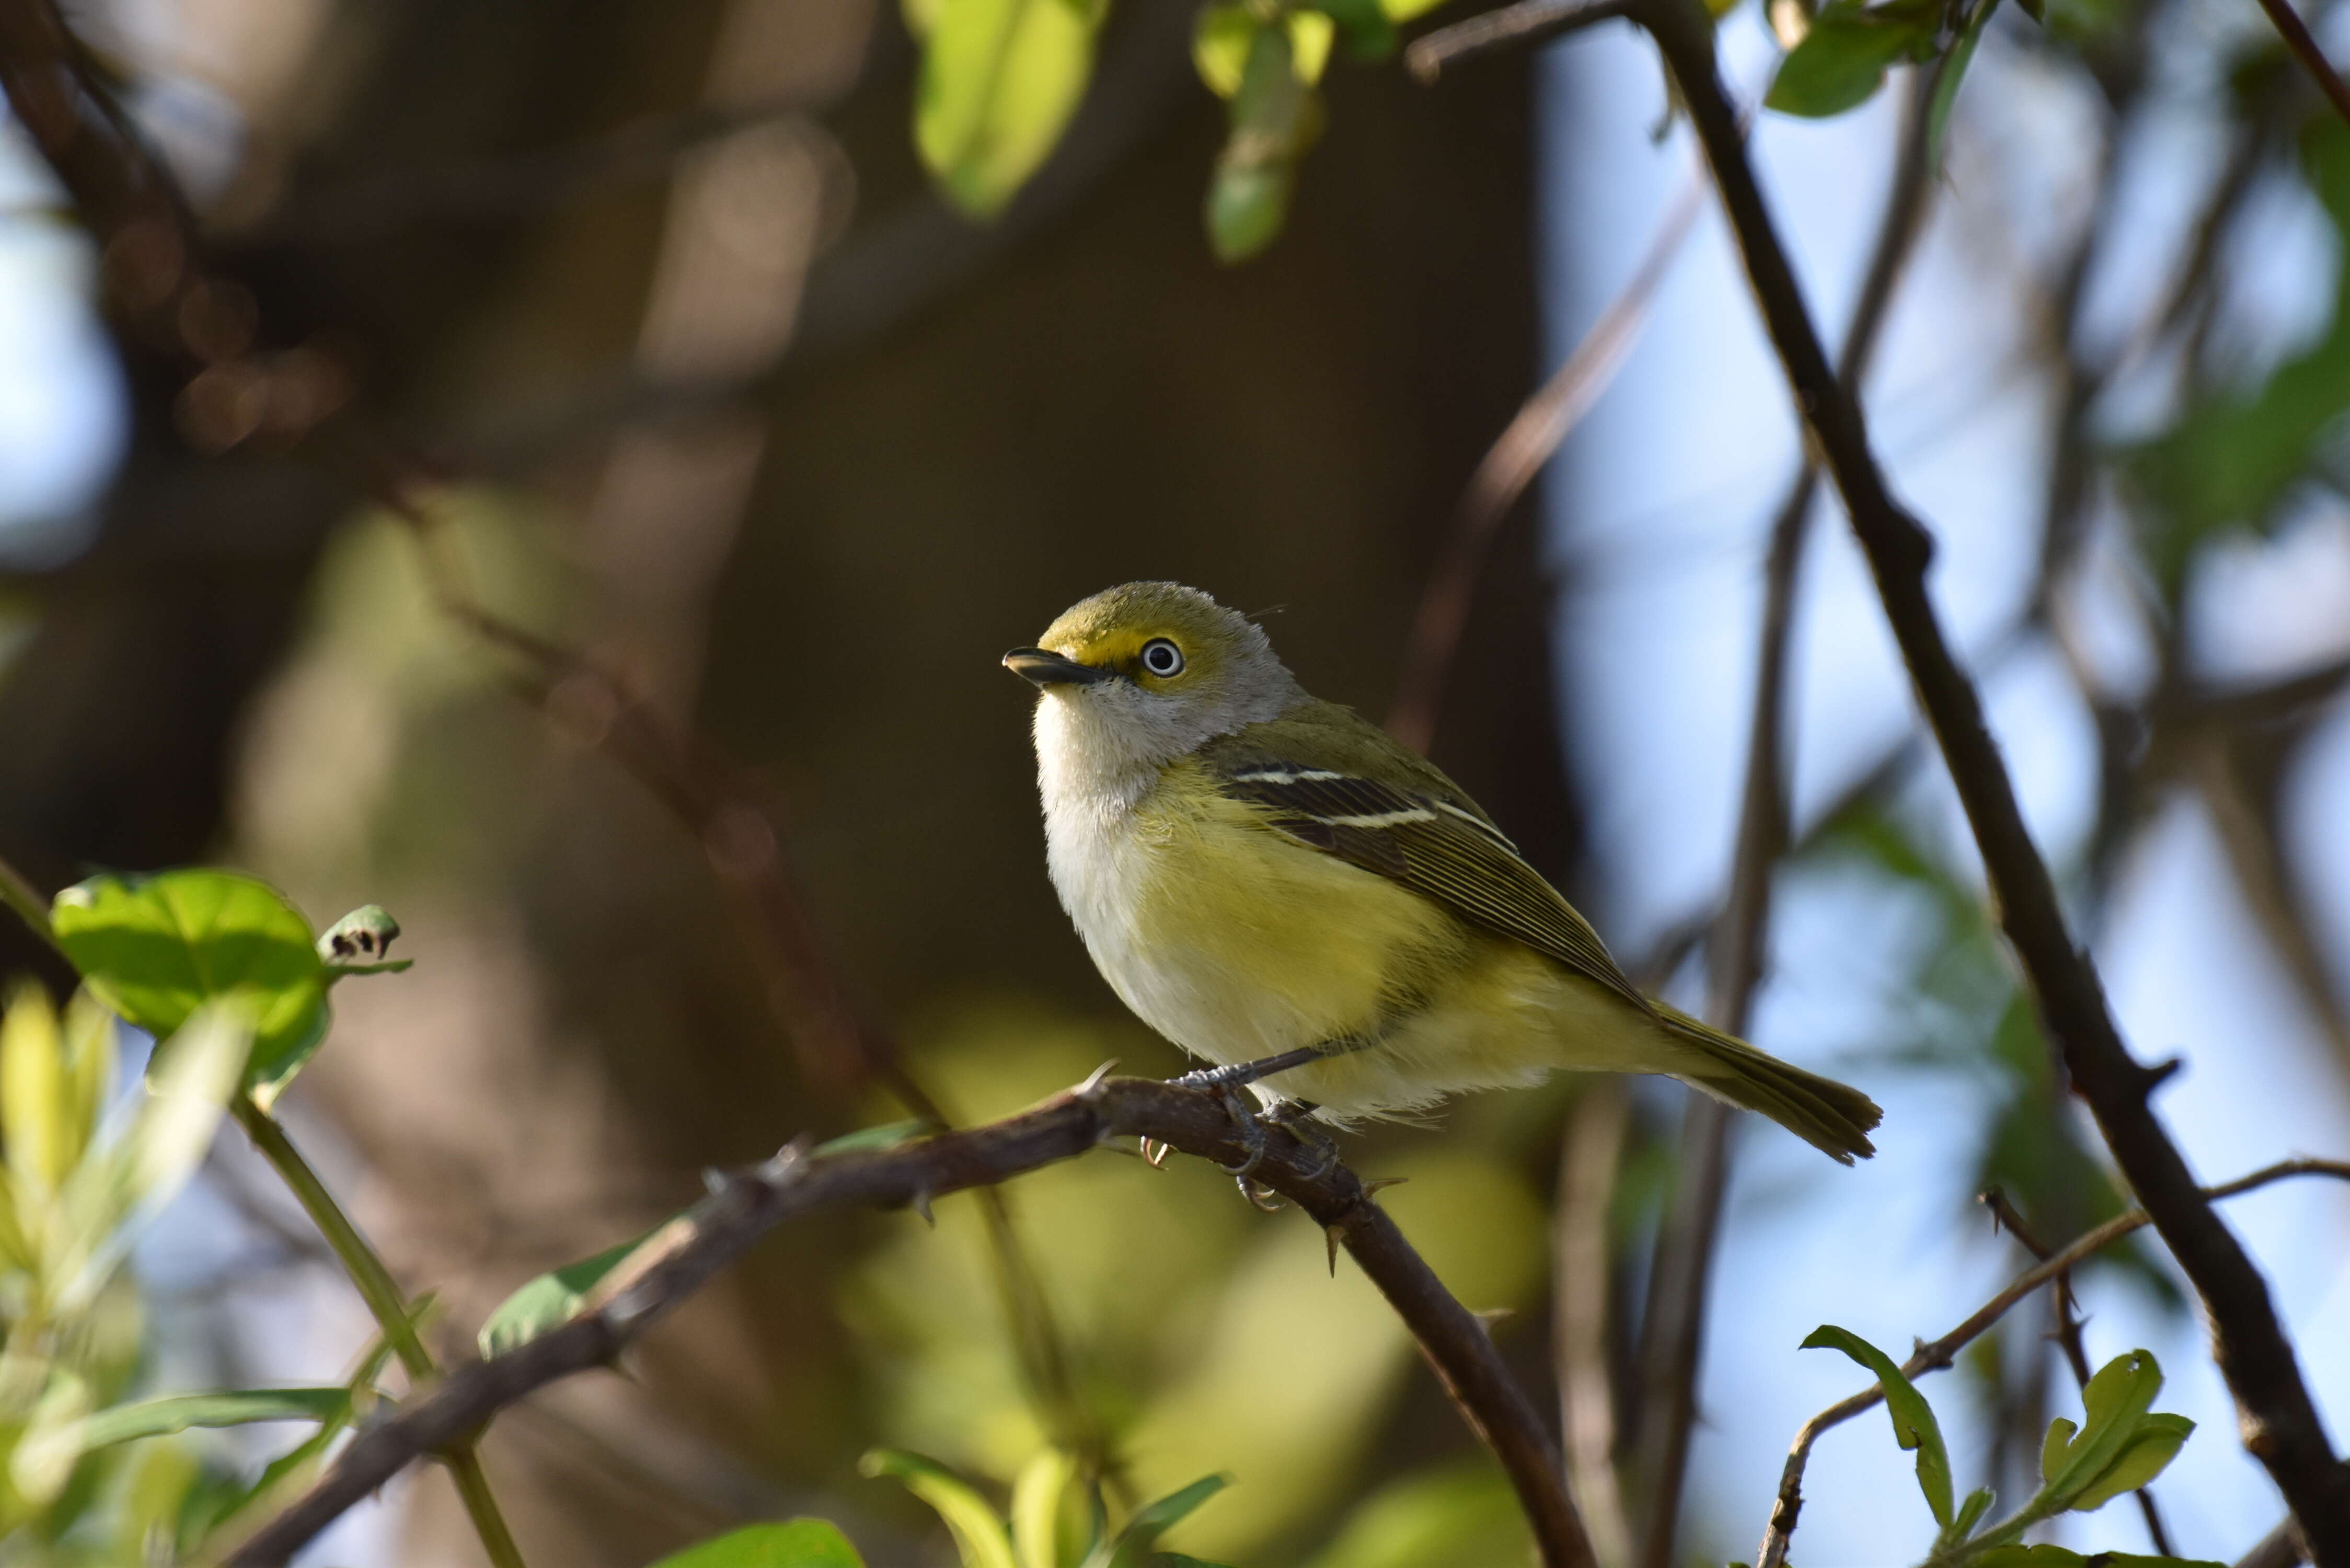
(681, 362)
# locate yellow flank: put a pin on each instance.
(1240, 944)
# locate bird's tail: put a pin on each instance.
(1829, 1116)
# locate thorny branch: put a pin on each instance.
(1939, 1353)
(748, 1204)
(2279, 1422)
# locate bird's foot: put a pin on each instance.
(1296, 1118)
(1234, 1074)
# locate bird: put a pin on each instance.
(1283, 891)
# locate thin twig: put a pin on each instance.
(2278, 1420)
(749, 1204)
(2065, 1320)
(1582, 1300)
(2295, 32)
(390, 1307)
(1940, 1353)
(1512, 26)
(1685, 1253)
(1510, 465)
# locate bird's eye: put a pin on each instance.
(1162, 658)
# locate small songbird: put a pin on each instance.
(1274, 885)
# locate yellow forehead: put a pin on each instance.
(1108, 649)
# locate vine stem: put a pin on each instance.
(388, 1305)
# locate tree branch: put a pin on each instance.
(1735, 965)
(2313, 59)
(748, 1204)
(1939, 1354)
(1521, 26)
(2279, 1422)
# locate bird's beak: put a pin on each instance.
(1042, 666)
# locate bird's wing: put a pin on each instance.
(1329, 781)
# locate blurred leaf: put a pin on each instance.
(1977, 1504)
(1462, 1516)
(1844, 57)
(1405, 10)
(1952, 71)
(2058, 1557)
(1132, 1548)
(1220, 46)
(88, 1050)
(1914, 1426)
(554, 1298)
(1037, 1499)
(1310, 33)
(190, 1080)
(221, 1407)
(1369, 29)
(155, 948)
(1000, 79)
(870, 1140)
(34, 1102)
(799, 1543)
(2234, 456)
(1272, 121)
(978, 1534)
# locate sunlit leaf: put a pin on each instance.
(1220, 46)
(34, 1102)
(1271, 118)
(156, 947)
(1369, 29)
(2146, 1456)
(1844, 57)
(797, 1544)
(1914, 1426)
(1310, 33)
(1037, 1498)
(978, 1534)
(1000, 81)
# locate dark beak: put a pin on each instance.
(1042, 666)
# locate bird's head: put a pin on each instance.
(1147, 672)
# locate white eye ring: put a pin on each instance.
(1162, 658)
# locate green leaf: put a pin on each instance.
(2028, 1557)
(1132, 1546)
(871, 1140)
(1947, 74)
(2116, 1400)
(1971, 1513)
(1914, 1426)
(1369, 31)
(1272, 119)
(800, 1543)
(154, 949)
(1036, 1500)
(2052, 1447)
(1843, 58)
(554, 1298)
(2146, 1456)
(362, 938)
(978, 1534)
(1000, 79)
(1220, 46)
(222, 1407)
(1310, 33)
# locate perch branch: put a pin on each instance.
(2296, 36)
(748, 1204)
(2279, 1420)
(1938, 1354)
